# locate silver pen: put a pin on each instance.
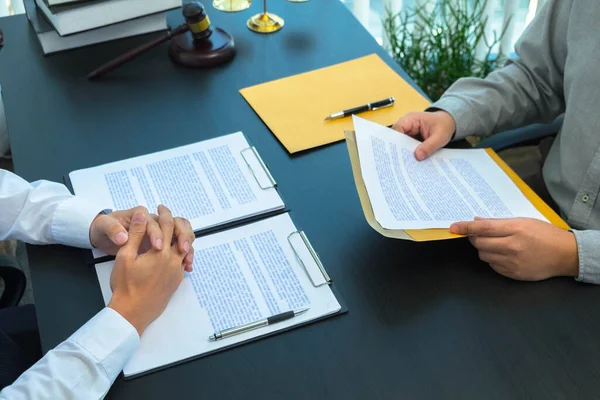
(257, 324)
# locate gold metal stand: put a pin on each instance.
(231, 5)
(265, 22)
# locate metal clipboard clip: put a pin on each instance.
(263, 166)
(313, 254)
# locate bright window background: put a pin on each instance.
(370, 13)
(11, 7)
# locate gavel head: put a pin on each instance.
(197, 20)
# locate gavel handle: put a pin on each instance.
(131, 54)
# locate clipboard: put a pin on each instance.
(248, 154)
(343, 310)
(425, 235)
(305, 253)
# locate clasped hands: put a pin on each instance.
(110, 232)
(519, 248)
(152, 252)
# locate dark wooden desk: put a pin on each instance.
(426, 320)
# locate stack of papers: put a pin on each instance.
(419, 200)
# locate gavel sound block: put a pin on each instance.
(203, 46)
(194, 44)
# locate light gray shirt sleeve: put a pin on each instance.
(588, 248)
(528, 89)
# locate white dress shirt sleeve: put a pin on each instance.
(43, 212)
(85, 365)
(82, 367)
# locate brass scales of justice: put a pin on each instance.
(263, 22)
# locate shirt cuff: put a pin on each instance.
(459, 111)
(588, 249)
(72, 220)
(110, 338)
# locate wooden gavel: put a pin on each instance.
(202, 47)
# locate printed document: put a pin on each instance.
(240, 275)
(452, 185)
(209, 183)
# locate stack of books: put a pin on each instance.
(67, 24)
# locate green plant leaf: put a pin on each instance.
(436, 41)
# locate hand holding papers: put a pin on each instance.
(405, 198)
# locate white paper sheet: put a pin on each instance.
(240, 276)
(452, 185)
(210, 183)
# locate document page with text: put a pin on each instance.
(209, 183)
(240, 276)
(452, 185)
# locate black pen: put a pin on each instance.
(257, 324)
(367, 107)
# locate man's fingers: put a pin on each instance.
(412, 125)
(491, 258)
(432, 143)
(185, 237)
(500, 245)
(167, 225)
(114, 230)
(499, 268)
(188, 261)
(154, 232)
(137, 231)
(483, 227)
(408, 125)
(184, 234)
(189, 258)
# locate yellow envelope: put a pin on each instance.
(295, 108)
(424, 235)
